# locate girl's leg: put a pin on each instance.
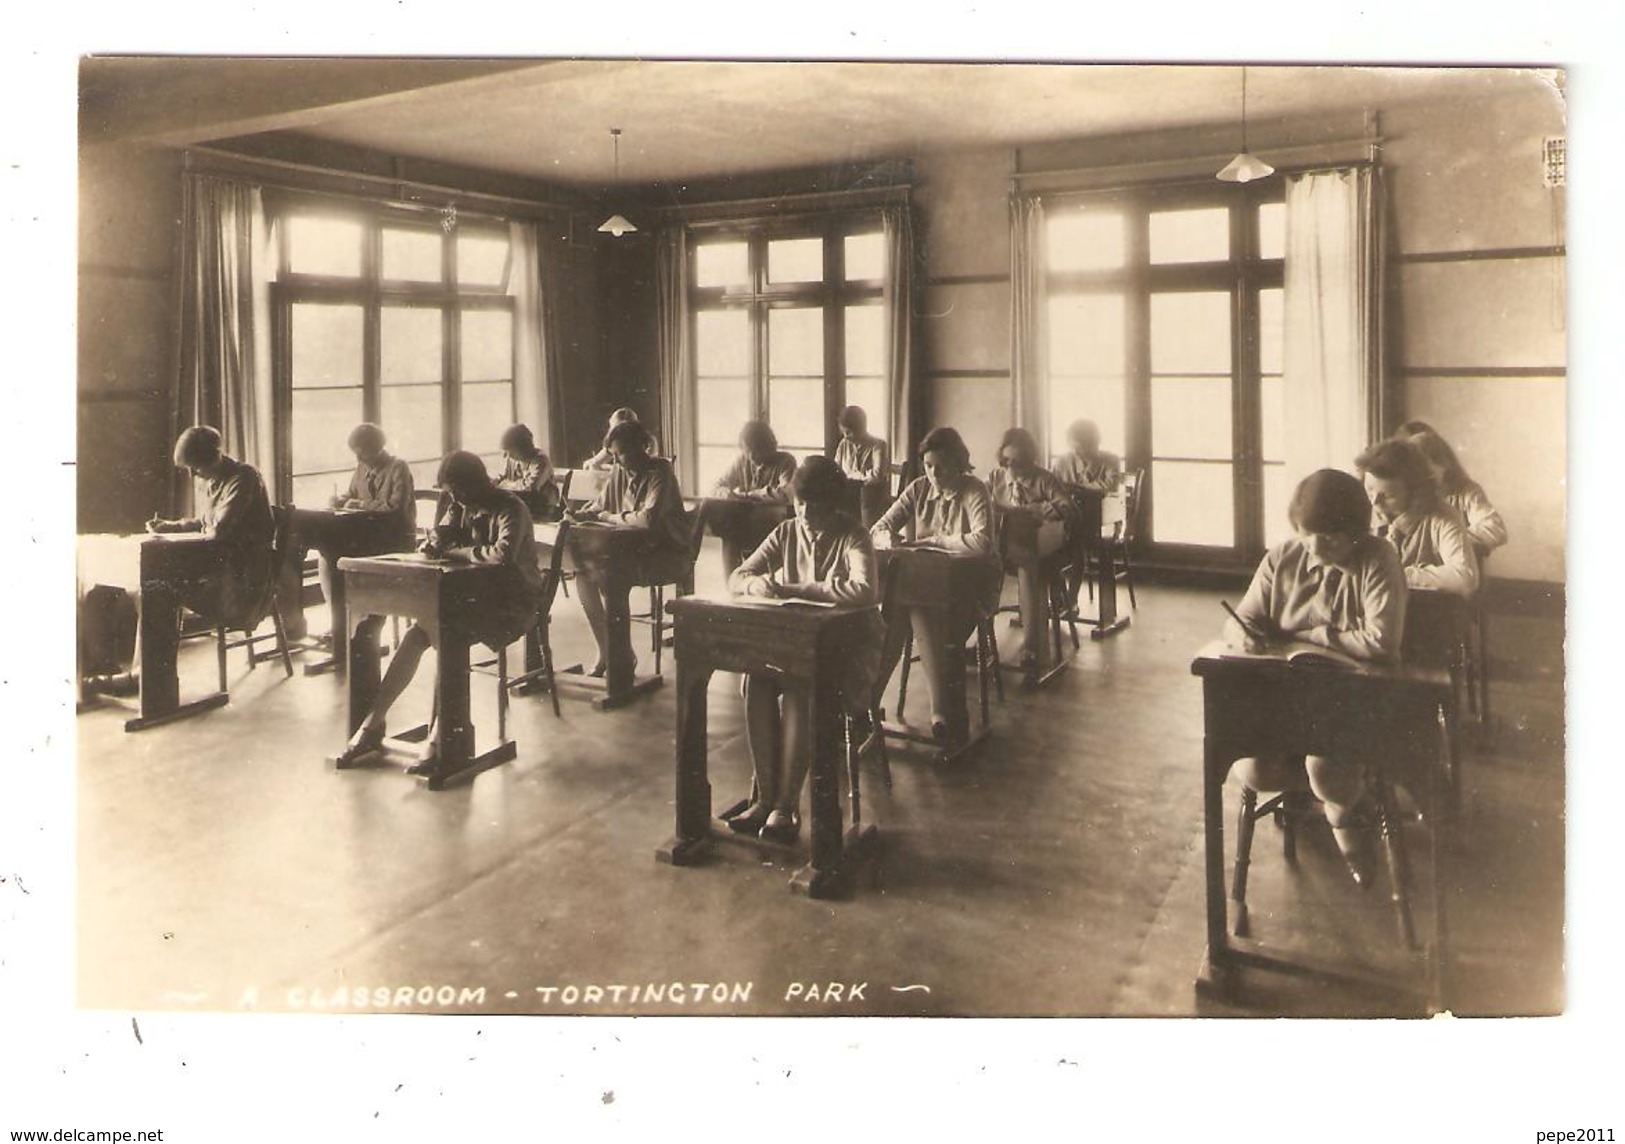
(763, 735)
(795, 750)
(1034, 613)
(592, 604)
(928, 642)
(403, 665)
(1339, 786)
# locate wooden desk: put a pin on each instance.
(1032, 543)
(161, 570)
(614, 555)
(1098, 513)
(335, 534)
(809, 647)
(1396, 720)
(950, 584)
(740, 524)
(446, 599)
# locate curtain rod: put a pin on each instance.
(1372, 142)
(394, 187)
(879, 195)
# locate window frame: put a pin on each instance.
(758, 297)
(373, 293)
(1243, 275)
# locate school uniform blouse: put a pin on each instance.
(532, 479)
(959, 517)
(499, 531)
(771, 477)
(1039, 489)
(1434, 549)
(866, 458)
(649, 498)
(1103, 471)
(839, 562)
(386, 487)
(1485, 528)
(237, 512)
(1358, 610)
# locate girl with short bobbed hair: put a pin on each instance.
(381, 483)
(601, 460)
(1409, 513)
(1087, 465)
(947, 509)
(1485, 528)
(761, 473)
(1019, 486)
(1335, 585)
(822, 554)
(528, 474)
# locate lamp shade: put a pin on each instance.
(1244, 168)
(617, 225)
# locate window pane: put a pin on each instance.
(1099, 399)
(314, 490)
(1272, 412)
(1190, 417)
(869, 394)
(795, 409)
(1190, 333)
(411, 417)
(482, 258)
(795, 341)
(1086, 334)
(487, 411)
(424, 476)
(721, 406)
(1272, 230)
(1271, 332)
(409, 342)
(722, 343)
(411, 255)
(795, 260)
(487, 343)
(326, 344)
(1190, 236)
(865, 340)
(1276, 526)
(1193, 504)
(721, 264)
(322, 420)
(713, 461)
(865, 257)
(1089, 239)
(319, 245)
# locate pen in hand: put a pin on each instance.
(1246, 628)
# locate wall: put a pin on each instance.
(129, 251)
(1475, 305)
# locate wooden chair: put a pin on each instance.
(538, 644)
(986, 652)
(1125, 534)
(1062, 608)
(655, 618)
(278, 635)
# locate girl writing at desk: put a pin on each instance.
(1409, 513)
(822, 555)
(1336, 585)
(478, 523)
(949, 510)
(1021, 487)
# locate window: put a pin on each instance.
(1164, 327)
(385, 316)
(788, 328)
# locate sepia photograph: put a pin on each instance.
(1073, 549)
(775, 538)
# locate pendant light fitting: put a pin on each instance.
(616, 224)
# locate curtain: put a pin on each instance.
(1333, 363)
(1027, 307)
(671, 348)
(225, 345)
(903, 431)
(530, 371)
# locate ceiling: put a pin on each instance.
(550, 120)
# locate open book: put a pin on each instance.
(1299, 652)
(787, 601)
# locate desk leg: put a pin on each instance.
(619, 673)
(1214, 978)
(451, 713)
(693, 779)
(1106, 588)
(952, 658)
(160, 647)
(363, 670)
(825, 875)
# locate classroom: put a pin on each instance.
(684, 537)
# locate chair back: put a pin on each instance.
(553, 574)
(562, 478)
(899, 477)
(1133, 485)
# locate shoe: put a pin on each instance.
(781, 828)
(364, 742)
(428, 759)
(1358, 854)
(121, 685)
(939, 730)
(747, 823)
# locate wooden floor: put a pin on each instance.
(223, 865)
